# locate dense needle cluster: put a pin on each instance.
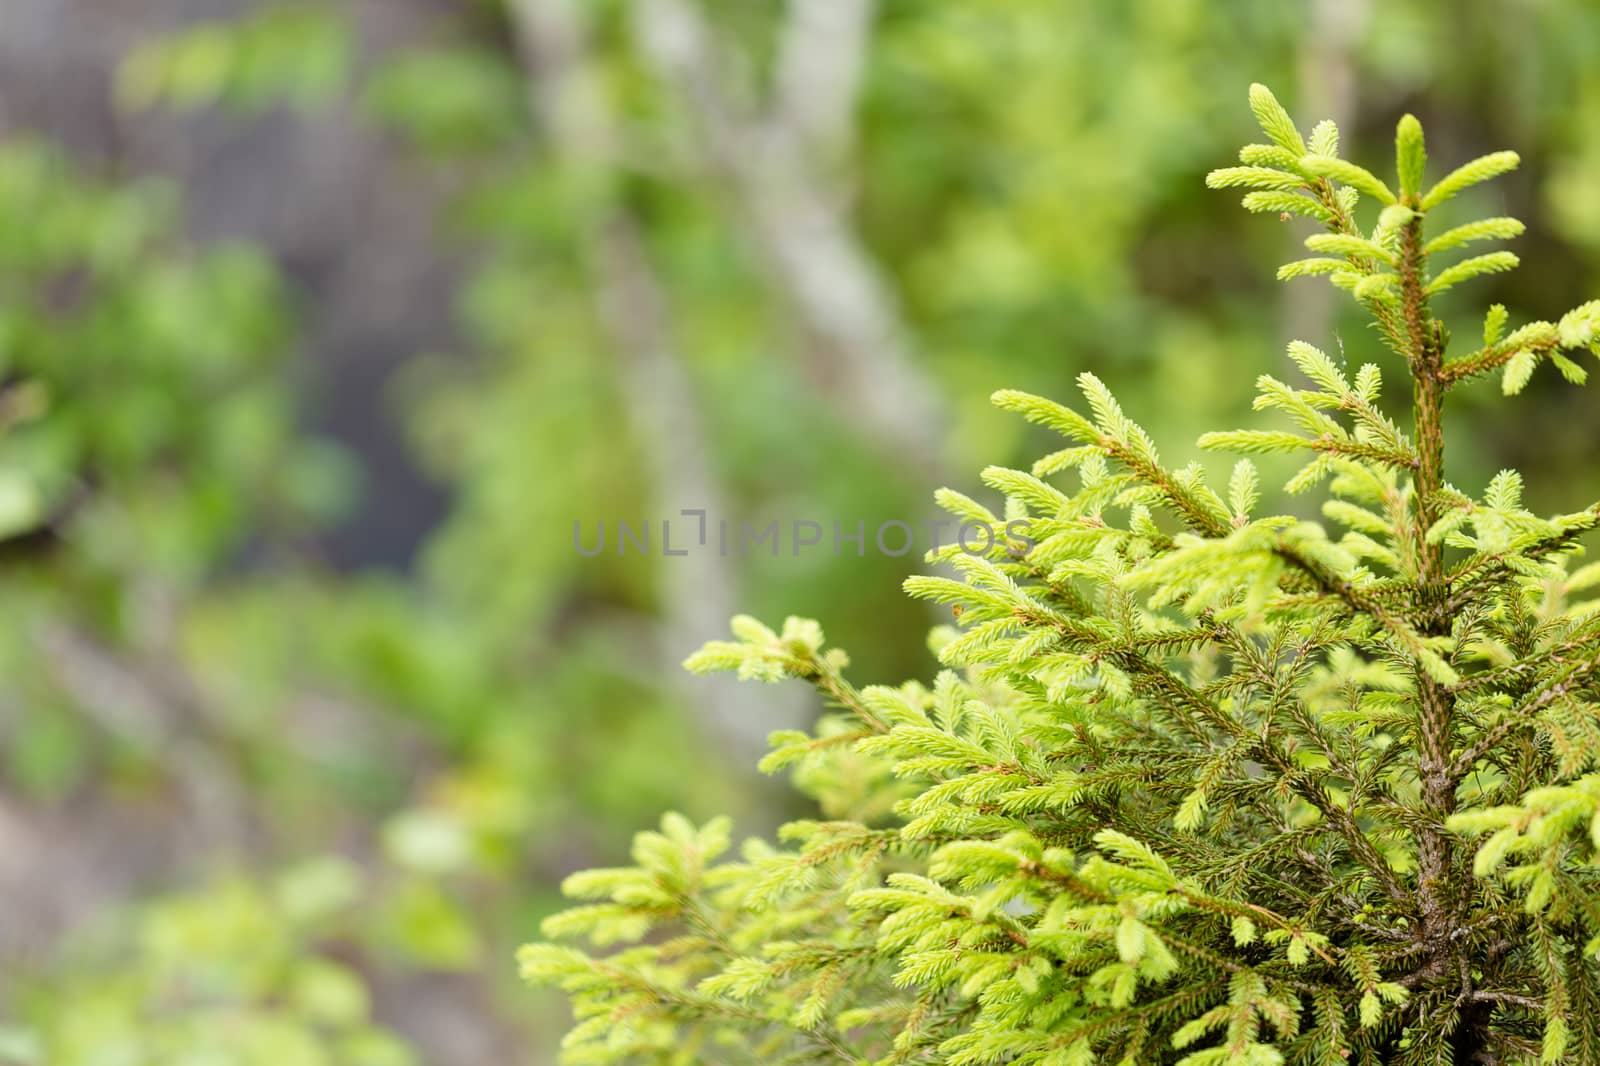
(1199, 786)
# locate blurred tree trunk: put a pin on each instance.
(779, 163)
(633, 310)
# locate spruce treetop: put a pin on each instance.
(1198, 785)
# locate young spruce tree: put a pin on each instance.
(1199, 786)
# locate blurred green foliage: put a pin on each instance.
(1025, 177)
(149, 437)
(234, 974)
(287, 53)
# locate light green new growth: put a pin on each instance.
(1199, 786)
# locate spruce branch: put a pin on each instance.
(1242, 791)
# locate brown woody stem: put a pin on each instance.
(1439, 892)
